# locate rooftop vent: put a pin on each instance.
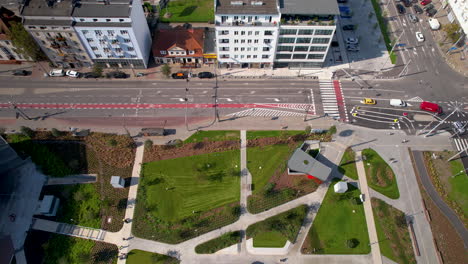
(256, 3)
(237, 3)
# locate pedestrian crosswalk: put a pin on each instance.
(416, 99)
(461, 143)
(329, 101)
(262, 112)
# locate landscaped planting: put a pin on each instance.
(255, 134)
(340, 225)
(384, 28)
(188, 11)
(392, 232)
(219, 243)
(213, 135)
(184, 197)
(348, 164)
(144, 257)
(379, 174)
(276, 230)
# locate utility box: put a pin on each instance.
(48, 206)
(117, 182)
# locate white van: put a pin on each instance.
(56, 73)
(397, 103)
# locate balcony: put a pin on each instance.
(291, 20)
(246, 24)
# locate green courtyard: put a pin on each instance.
(188, 11)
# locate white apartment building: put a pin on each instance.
(274, 33)
(115, 33)
(459, 9)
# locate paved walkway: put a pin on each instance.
(246, 177)
(68, 229)
(375, 247)
(72, 179)
(435, 197)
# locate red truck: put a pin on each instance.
(431, 107)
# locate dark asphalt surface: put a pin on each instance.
(446, 210)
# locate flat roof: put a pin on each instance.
(309, 7)
(101, 10)
(103, 24)
(209, 45)
(47, 8)
(48, 22)
(302, 162)
(246, 7)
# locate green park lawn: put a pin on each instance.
(379, 174)
(213, 135)
(219, 243)
(459, 185)
(339, 219)
(276, 230)
(348, 164)
(144, 257)
(177, 188)
(189, 11)
(273, 133)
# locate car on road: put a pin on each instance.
(352, 41)
(348, 27)
(88, 75)
(179, 75)
(362, 197)
(431, 12)
(417, 9)
(20, 73)
(352, 48)
(431, 107)
(397, 103)
(73, 74)
(407, 3)
(413, 18)
(419, 36)
(207, 75)
(117, 75)
(425, 2)
(57, 73)
(459, 127)
(401, 9)
(369, 101)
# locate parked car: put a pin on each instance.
(419, 36)
(353, 41)
(73, 74)
(429, 6)
(20, 73)
(57, 73)
(117, 75)
(352, 48)
(431, 12)
(368, 101)
(425, 2)
(401, 9)
(179, 75)
(207, 75)
(140, 74)
(397, 103)
(407, 3)
(348, 27)
(417, 9)
(88, 75)
(413, 18)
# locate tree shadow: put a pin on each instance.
(187, 11)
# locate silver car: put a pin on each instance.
(413, 18)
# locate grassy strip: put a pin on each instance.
(340, 220)
(379, 174)
(143, 257)
(213, 135)
(287, 224)
(188, 11)
(348, 164)
(392, 232)
(255, 134)
(66, 249)
(219, 243)
(383, 27)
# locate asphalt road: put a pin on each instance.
(446, 210)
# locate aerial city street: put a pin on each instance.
(234, 131)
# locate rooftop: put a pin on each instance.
(187, 39)
(302, 162)
(103, 24)
(101, 10)
(209, 46)
(309, 7)
(47, 8)
(246, 7)
(47, 22)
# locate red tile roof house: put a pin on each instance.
(184, 46)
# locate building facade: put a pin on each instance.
(7, 50)
(274, 33)
(179, 45)
(459, 10)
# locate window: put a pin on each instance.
(224, 41)
(236, 49)
(318, 48)
(301, 48)
(303, 40)
(224, 32)
(110, 32)
(43, 27)
(306, 31)
(255, 40)
(98, 55)
(242, 40)
(323, 32)
(249, 49)
(283, 56)
(70, 34)
(236, 32)
(242, 33)
(249, 56)
(118, 50)
(299, 56)
(133, 56)
(265, 56)
(268, 18)
(236, 56)
(255, 49)
(82, 19)
(90, 40)
(315, 56)
(249, 41)
(123, 32)
(285, 48)
(286, 40)
(254, 56)
(225, 56)
(84, 32)
(121, 20)
(126, 40)
(66, 28)
(95, 19)
(236, 17)
(288, 31)
(242, 49)
(267, 41)
(31, 27)
(256, 17)
(249, 33)
(257, 33)
(98, 32)
(266, 49)
(320, 40)
(193, 52)
(223, 48)
(130, 48)
(268, 33)
(163, 52)
(106, 50)
(177, 52)
(236, 41)
(242, 56)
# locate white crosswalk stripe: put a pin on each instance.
(461, 143)
(262, 112)
(327, 92)
(415, 99)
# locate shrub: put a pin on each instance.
(112, 142)
(55, 132)
(27, 131)
(308, 129)
(148, 144)
(270, 188)
(352, 243)
(166, 70)
(400, 220)
(2, 130)
(332, 130)
(97, 69)
(236, 210)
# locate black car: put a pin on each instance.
(117, 74)
(20, 73)
(179, 75)
(431, 12)
(400, 9)
(207, 75)
(348, 27)
(407, 3)
(417, 9)
(88, 75)
(429, 6)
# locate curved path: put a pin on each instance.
(431, 191)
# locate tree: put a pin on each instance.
(24, 43)
(27, 131)
(453, 31)
(166, 70)
(113, 142)
(97, 69)
(308, 129)
(148, 144)
(400, 220)
(352, 243)
(55, 132)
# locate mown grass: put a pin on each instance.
(279, 228)
(255, 134)
(339, 219)
(219, 243)
(392, 232)
(66, 249)
(348, 164)
(379, 174)
(459, 185)
(384, 28)
(144, 257)
(189, 11)
(213, 135)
